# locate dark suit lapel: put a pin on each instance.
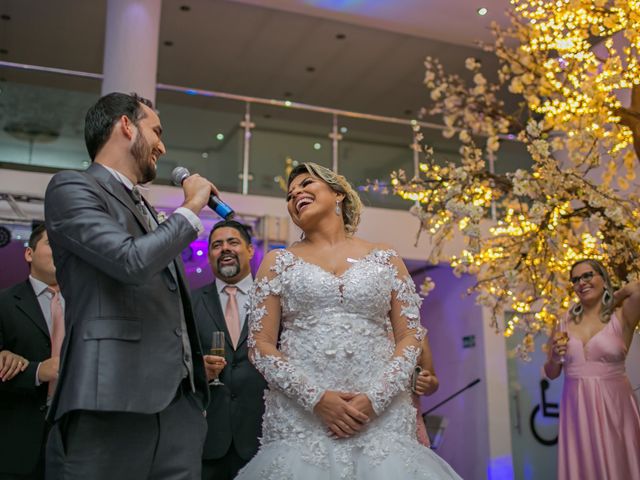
(154, 212)
(213, 306)
(116, 189)
(27, 302)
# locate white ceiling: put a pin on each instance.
(265, 47)
(451, 21)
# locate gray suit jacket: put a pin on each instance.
(122, 349)
(236, 409)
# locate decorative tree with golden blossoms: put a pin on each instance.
(575, 201)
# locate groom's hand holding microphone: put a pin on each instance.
(199, 192)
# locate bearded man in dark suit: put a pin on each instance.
(235, 412)
(132, 387)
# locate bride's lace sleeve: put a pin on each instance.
(407, 332)
(264, 323)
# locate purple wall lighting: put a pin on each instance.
(13, 266)
(450, 315)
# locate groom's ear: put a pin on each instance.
(126, 127)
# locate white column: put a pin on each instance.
(131, 47)
(500, 462)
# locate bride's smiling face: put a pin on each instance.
(310, 198)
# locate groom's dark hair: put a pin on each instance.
(102, 116)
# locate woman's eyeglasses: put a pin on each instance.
(586, 276)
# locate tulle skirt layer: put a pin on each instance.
(408, 461)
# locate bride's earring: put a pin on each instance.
(338, 209)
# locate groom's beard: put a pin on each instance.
(228, 271)
(141, 152)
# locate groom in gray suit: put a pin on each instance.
(132, 388)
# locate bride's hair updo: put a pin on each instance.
(351, 204)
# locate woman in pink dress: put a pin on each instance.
(599, 431)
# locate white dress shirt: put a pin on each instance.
(44, 297)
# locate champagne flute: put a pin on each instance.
(217, 348)
(562, 336)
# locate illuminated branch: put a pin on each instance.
(552, 214)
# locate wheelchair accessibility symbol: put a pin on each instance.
(547, 409)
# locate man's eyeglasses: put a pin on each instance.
(586, 276)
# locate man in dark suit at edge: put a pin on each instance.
(26, 325)
(132, 386)
(235, 412)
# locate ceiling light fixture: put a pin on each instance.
(317, 146)
(220, 136)
(482, 11)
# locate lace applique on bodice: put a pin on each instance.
(337, 333)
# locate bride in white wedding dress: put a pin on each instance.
(347, 317)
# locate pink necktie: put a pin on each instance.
(57, 329)
(231, 314)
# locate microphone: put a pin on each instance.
(179, 174)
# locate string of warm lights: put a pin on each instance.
(556, 213)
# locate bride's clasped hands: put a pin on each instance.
(345, 414)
